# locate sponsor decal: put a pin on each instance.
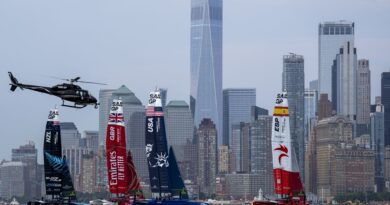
(150, 124)
(55, 138)
(153, 97)
(284, 153)
(48, 136)
(52, 114)
(112, 133)
(53, 179)
(113, 169)
(162, 160)
(277, 124)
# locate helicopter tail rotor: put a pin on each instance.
(14, 82)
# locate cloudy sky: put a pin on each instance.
(145, 43)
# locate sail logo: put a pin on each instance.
(284, 153)
(113, 169)
(277, 124)
(52, 114)
(150, 124)
(153, 97)
(48, 136)
(112, 133)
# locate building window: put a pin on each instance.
(196, 13)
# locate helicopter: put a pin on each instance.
(66, 91)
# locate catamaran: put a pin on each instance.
(58, 182)
(124, 184)
(288, 184)
(166, 183)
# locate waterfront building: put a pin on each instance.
(341, 166)
(260, 152)
(345, 81)
(28, 154)
(13, 178)
(91, 141)
(223, 159)
(88, 175)
(179, 127)
(385, 98)
(243, 186)
(206, 62)
(293, 82)
(331, 36)
(207, 157)
(378, 145)
(256, 112)
(310, 98)
(363, 84)
(313, 85)
(237, 105)
(240, 147)
(70, 135)
(324, 109)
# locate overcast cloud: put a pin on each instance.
(145, 43)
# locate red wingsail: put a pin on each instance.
(134, 182)
(117, 169)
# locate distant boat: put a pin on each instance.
(122, 176)
(58, 182)
(288, 184)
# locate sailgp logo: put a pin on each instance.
(284, 151)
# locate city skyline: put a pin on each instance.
(34, 45)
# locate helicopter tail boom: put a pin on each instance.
(14, 82)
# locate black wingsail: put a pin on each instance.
(52, 147)
(176, 183)
(57, 176)
(156, 147)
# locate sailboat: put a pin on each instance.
(288, 184)
(58, 182)
(165, 180)
(122, 176)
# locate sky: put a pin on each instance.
(146, 43)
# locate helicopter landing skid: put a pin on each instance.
(78, 106)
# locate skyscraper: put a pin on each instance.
(310, 112)
(378, 145)
(237, 105)
(70, 136)
(363, 83)
(206, 62)
(207, 157)
(385, 97)
(346, 63)
(91, 139)
(179, 127)
(104, 109)
(13, 179)
(331, 36)
(294, 84)
(179, 123)
(260, 152)
(28, 154)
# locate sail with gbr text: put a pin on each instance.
(117, 169)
